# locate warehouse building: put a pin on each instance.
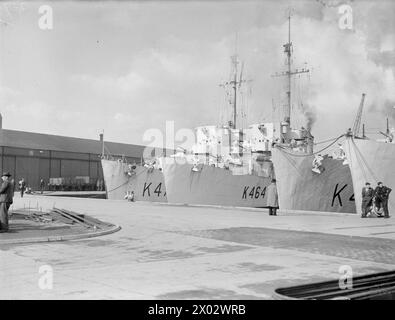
(63, 162)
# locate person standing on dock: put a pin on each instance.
(367, 199)
(381, 194)
(6, 195)
(272, 198)
(22, 186)
(42, 185)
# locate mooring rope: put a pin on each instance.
(314, 153)
(324, 141)
(118, 186)
(124, 182)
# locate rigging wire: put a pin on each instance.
(324, 141)
(310, 154)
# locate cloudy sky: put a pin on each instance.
(129, 66)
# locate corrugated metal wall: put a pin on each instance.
(36, 164)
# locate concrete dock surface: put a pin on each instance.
(180, 252)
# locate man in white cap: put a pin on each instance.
(6, 195)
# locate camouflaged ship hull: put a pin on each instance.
(371, 161)
(213, 186)
(300, 188)
(146, 183)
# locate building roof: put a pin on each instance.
(31, 140)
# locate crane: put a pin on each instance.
(357, 122)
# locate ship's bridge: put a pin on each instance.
(222, 141)
(261, 136)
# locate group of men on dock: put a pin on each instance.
(375, 199)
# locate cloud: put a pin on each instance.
(122, 118)
(41, 116)
(6, 95)
(142, 64)
(178, 80)
(122, 87)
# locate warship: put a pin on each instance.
(231, 166)
(306, 180)
(223, 169)
(371, 160)
(228, 165)
(233, 161)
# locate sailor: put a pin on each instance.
(6, 195)
(381, 194)
(272, 198)
(367, 199)
(130, 196)
(42, 185)
(22, 186)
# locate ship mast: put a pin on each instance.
(288, 51)
(235, 83)
(289, 73)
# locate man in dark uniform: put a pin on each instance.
(381, 194)
(367, 199)
(22, 186)
(6, 195)
(42, 185)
